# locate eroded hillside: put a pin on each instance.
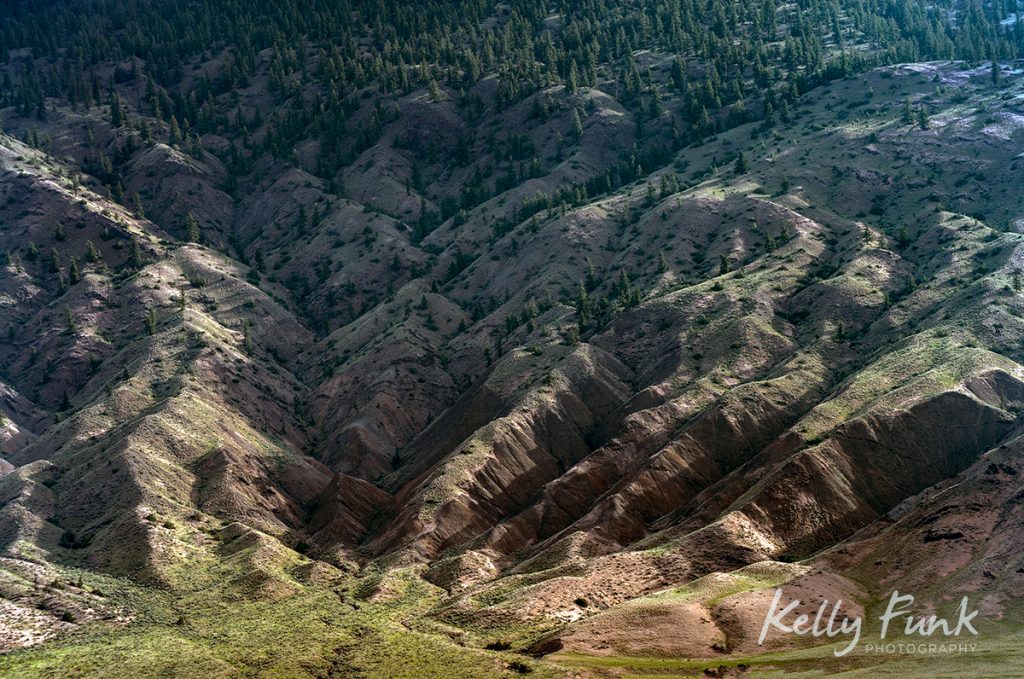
(634, 382)
(479, 340)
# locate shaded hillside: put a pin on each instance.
(500, 341)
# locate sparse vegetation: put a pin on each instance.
(508, 319)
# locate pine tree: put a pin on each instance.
(591, 276)
(174, 133)
(625, 287)
(741, 166)
(92, 253)
(151, 321)
(582, 303)
(116, 114)
(572, 79)
(903, 237)
(247, 342)
(192, 231)
(577, 124)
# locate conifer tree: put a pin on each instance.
(192, 231)
(92, 253)
(174, 132)
(577, 124)
(908, 112)
(247, 341)
(741, 164)
(116, 114)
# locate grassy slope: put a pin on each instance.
(213, 629)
